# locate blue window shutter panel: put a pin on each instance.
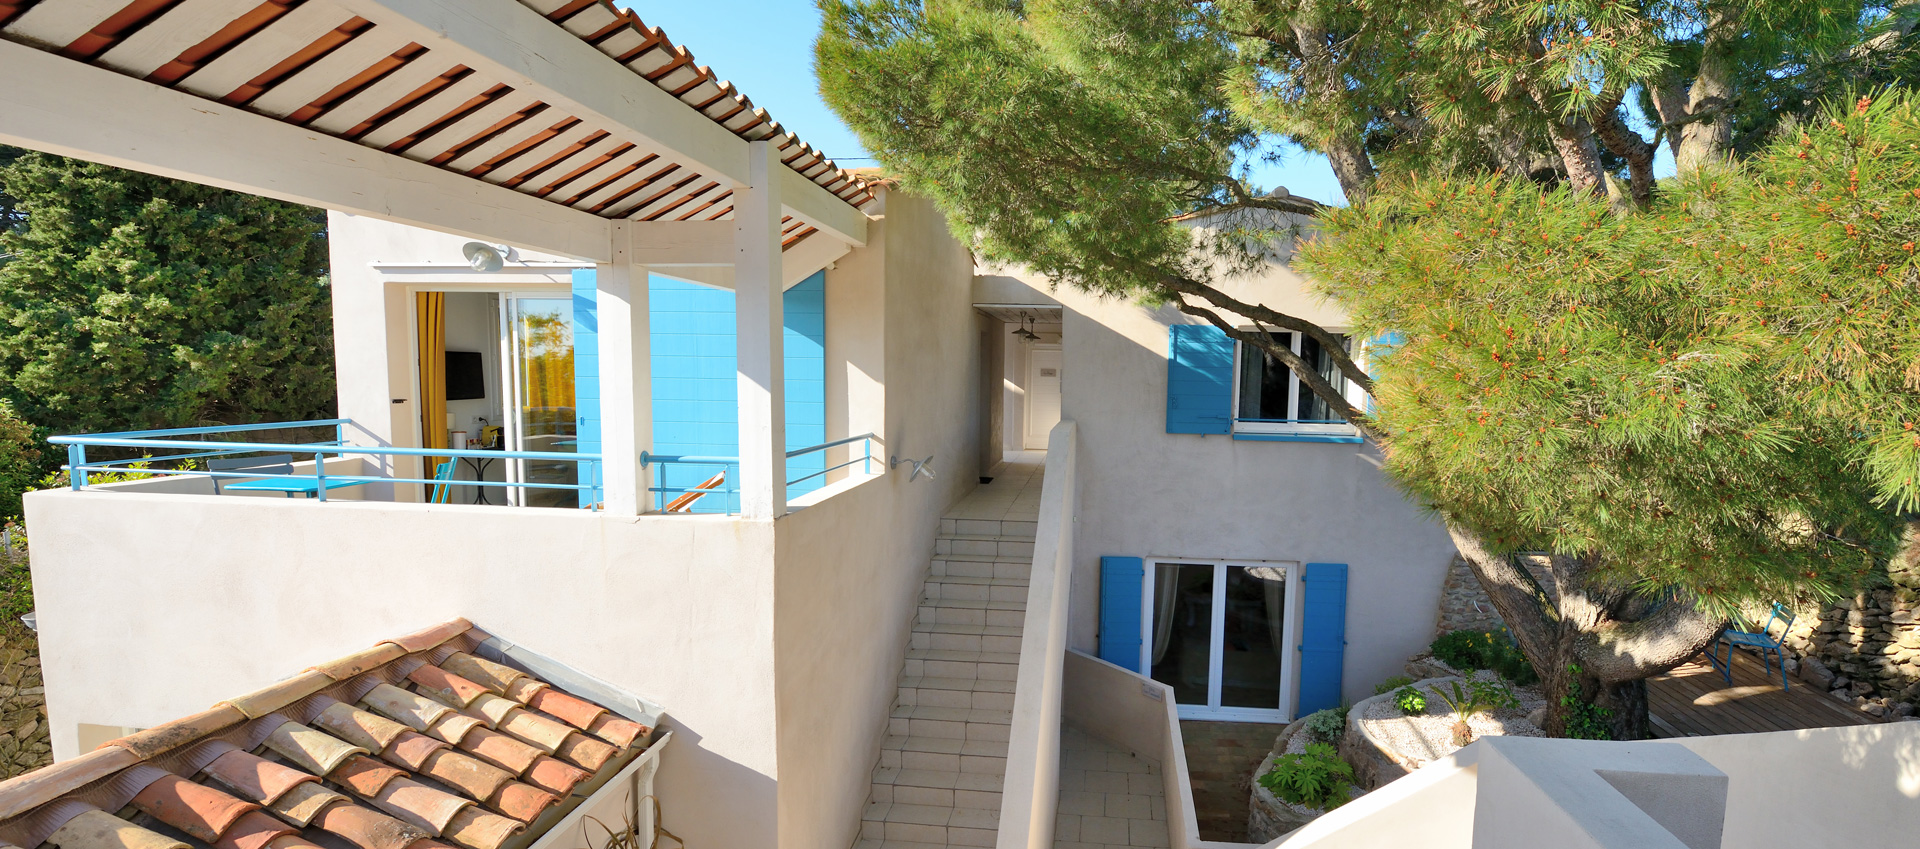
(1323, 636)
(1120, 603)
(1199, 379)
(586, 367)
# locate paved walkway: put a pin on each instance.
(1221, 758)
(1109, 798)
(1014, 493)
(1694, 700)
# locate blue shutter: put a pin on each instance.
(1199, 379)
(1120, 603)
(586, 369)
(1323, 636)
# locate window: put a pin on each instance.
(1269, 399)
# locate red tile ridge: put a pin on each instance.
(166, 737)
(362, 661)
(273, 697)
(427, 638)
(24, 793)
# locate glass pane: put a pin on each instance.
(1311, 407)
(1263, 382)
(1183, 630)
(543, 349)
(1254, 631)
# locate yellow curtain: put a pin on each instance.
(431, 310)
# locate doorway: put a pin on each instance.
(1223, 636)
(1043, 394)
(537, 345)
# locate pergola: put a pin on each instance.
(565, 126)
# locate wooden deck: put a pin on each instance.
(1695, 700)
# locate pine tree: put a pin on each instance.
(132, 301)
(1075, 137)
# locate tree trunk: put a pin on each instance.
(1573, 140)
(1345, 151)
(1581, 705)
(1708, 132)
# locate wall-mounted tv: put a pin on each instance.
(466, 377)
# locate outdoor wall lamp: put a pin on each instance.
(919, 466)
(488, 258)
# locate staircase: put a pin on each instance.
(945, 755)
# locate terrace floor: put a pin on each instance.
(1694, 700)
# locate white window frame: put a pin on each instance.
(1284, 708)
(1294, 388)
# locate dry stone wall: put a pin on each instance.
(25, 743)
(1864, 650)
(1464, 605)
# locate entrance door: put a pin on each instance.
(538, 349)
(1043, 394)
(1223, 636)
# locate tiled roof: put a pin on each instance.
(416, 743)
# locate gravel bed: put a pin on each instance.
(1419, 739)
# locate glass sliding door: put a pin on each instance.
(1222, 637)
(541, 413)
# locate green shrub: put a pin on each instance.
(1410, 700)
(1391, 684)
(1317, 779)
(20, 459)
(1327, 726)
(1474, 650)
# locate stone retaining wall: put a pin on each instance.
(1464, 605)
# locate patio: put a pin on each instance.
(1695, 700)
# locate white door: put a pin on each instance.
(1043, 394)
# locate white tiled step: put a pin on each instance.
(950, 723)
(975, 589)
(1016, 569)
(1004, 617)
(982, 546)
(980, 628)
(1007, 528)
(964, 685)
(953, 698)
(966, 642)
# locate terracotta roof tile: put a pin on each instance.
(314, 751)
(445, 687)
(255, 830)
(356, 726)
(410, 709)
(578, 713)
(97, 829)
(294, 745)
(554, 776)
(198, 810)
(304, 802)
(368, 829)
(413, 750)
(253, 777)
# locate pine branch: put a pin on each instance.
(1328, 342)
(1301, 369)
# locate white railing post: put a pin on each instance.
(759, 328)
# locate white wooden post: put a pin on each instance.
(757, 313)
(626, 377)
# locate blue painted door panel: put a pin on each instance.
(1120, 603)
(1323, 635)
(1199, 379)
(586, 369)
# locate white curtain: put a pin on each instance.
(1273, 581)
(1166, 591)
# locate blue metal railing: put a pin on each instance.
(78, 466)
(730, 485)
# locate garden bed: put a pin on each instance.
(1268, 816)
(1383, 743)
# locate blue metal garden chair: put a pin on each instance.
(443, 482)
(1762, 642)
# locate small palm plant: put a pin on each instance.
(1466, 701)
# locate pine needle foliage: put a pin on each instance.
(132, 301)
(1720, 394)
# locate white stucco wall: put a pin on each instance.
(1144, 492)
(851, 567)
(152, 607)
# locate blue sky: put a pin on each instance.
(766, 48)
